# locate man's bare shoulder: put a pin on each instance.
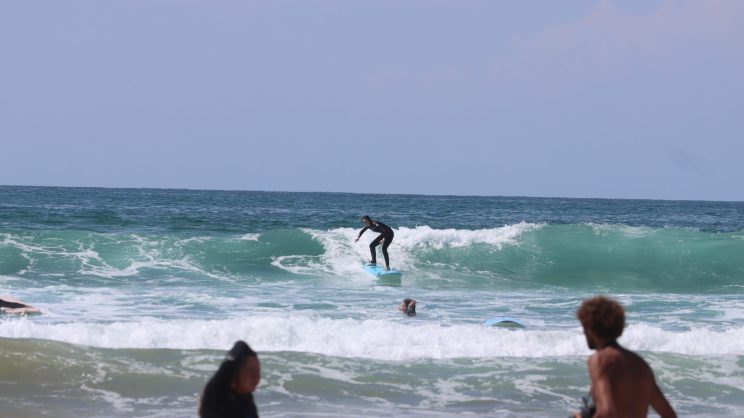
(606, 357)
(618, 360)
(636, 361)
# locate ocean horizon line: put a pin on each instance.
(364, 193)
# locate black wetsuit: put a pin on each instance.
(385, 232)
(12, 305)
(231, 405)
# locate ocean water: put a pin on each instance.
(144, 290)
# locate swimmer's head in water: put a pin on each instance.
(410, 306)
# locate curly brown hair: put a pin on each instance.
(603, 316)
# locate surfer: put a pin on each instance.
(13, 305)
(9, 305)
(408, 307)
(229, 393)
(385, 237)
(623, 384)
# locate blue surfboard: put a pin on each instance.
(380, 272)
(504, 322)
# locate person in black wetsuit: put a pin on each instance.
(229, 394)
(12, 305)
(386, 237)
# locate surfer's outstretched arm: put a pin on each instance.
(360, 233)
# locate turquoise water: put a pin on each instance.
(144, 290)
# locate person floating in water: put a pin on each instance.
(623, 384)
(385, 237)
(13, 306)
(408, 306)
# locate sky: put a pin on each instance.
(610, 99)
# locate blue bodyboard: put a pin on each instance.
(380, 272)
(504, 322)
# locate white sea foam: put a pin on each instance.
(424, 236)
(32, 252)
(6, 279)
(150, 255)
(249, 237)
(626, 230)
(377, 339)
(146, 253)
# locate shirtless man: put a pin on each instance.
(623, 384)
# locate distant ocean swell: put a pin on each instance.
(573, 256)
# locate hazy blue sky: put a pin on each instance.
(636, 99)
